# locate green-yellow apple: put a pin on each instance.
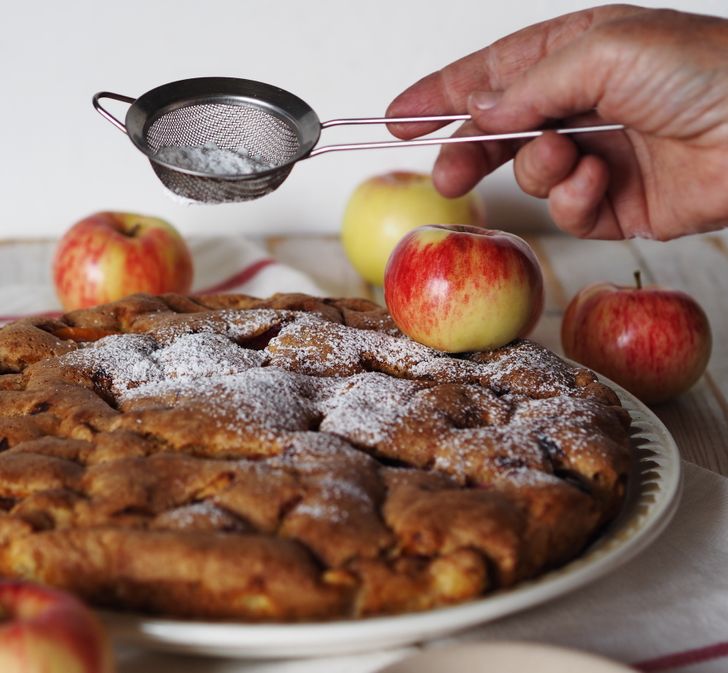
(463, 288)
(49, 631)
(653, 341)
(109, 255)
(385, 207)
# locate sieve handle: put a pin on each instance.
(395, 120)
(105, 113)
(443, 141)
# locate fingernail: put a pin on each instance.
(483, 100)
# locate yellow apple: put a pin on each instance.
(385, 207)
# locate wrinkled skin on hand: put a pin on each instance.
(661, 73)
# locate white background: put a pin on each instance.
(61, 160)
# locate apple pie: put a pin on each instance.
(291, 459)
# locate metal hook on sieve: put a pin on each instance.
(96, 100)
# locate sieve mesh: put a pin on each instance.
(230, 127)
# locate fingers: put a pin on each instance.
(564, 85)
(552, 167)
(429, 96)
(591, 70)
(545, 162)
(578, 205)
(459, 167)
(493, 68)
(554, 70)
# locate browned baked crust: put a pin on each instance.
(291, 459)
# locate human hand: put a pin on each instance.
(661, 73)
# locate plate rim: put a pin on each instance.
(285, 640)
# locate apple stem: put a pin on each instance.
(638, 279)
(132, 231)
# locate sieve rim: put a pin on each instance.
(279, 103)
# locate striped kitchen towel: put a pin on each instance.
(222, 264)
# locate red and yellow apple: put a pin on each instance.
(385, 207)
(462, 288)
(109, 255)
(652, 341)
(49, 631)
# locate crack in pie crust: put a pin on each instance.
(291, 459)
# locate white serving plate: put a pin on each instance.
(653, 493)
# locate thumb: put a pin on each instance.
(571, 81)
(482, 101)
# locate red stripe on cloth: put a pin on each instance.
(679, 659)
(240, 278)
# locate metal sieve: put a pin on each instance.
(274, 124)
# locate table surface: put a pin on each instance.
(698, 265)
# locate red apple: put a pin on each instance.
(385, 207)
(462, 288)
(107, 256)
(652, 341)
(48, 631)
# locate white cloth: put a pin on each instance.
(230, 264)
